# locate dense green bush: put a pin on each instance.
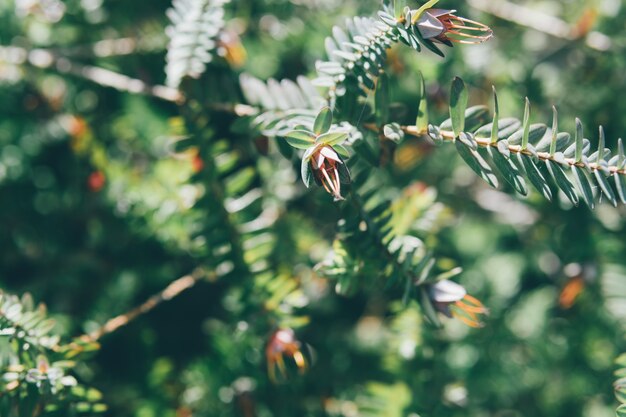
(258, 208)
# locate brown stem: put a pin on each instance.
(545, 156)
(173, 290)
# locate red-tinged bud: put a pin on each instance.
(443, 26)
(329, 170)
(452, 300)
(283, 343)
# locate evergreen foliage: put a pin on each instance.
(306, 238)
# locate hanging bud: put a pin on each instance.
(329, 170)
(443, 26)
(452, 300)
(283, 343)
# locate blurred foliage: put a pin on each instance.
(109, 196)
(33, 384)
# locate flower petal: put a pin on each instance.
(447, 291)
(429, 26)
(330, 153)
(318, 160)
(440, 12)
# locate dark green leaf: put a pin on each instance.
(620, 184)
(546, 144)
(430, 45)
(284, 148)
(526, 125)
(536, 177)
(458, 104)
(508, 170)
(344, 174)
(584, 186)
(605, 187)
(421, 121)
(468, 140)
(306, 171)
(424, 268)
(387, 18)
(534, 134)
(323, 121)
(570, 151)
(579, 141)
(496, 114)
(382, 100)
(474, 117)
(562, 181)
(601, 141)
(341, 151)
(429, 310)
(477, 163)
(300, 139)
(555, 131)
(409, 289)
(332, 138)
(506, 127)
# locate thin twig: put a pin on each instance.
(484, 143)
(541, 22)
(45, 58)
(118, 81)
(171, 291)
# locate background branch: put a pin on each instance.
(171, 291)
(43, 58)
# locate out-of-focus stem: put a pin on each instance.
(171, 291)
(44, 58)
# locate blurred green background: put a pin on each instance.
(96, 215)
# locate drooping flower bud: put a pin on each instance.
(452, 300)
(443, 26)
(283, 343)
(329, 170)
